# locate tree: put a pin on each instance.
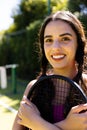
(29, 12)
(19, 44)
(79, 7)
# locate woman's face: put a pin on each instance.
(60, 44)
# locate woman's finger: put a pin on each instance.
(19, 121)
(26, 100)
(19, 113)
(79, 108)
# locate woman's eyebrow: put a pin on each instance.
(65, 34)
(47, 36)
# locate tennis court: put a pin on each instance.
(7, 113)
(6, 120)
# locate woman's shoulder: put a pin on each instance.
(30, 84)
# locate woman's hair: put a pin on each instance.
(77, 27)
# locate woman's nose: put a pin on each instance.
(56, 44)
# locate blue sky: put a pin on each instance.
(6, 7)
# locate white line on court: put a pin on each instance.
(8, 107)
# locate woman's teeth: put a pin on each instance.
(58, 56)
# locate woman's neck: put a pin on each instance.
(69, 72)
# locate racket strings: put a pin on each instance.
(62, 88)
(75, 97)
(54, 97)
(43, 91)
(42, 96)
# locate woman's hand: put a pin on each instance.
(75, 120)
(29, 117)
(27, 113)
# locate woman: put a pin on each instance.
(62, 43)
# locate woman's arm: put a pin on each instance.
(29, 116)
(74, 120)
(16, 126)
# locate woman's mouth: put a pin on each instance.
(58, 57)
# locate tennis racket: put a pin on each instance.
(55, 95)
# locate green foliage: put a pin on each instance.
(79, 7)
(59, 5)
(19, 43)
(5, 53)
(21, 49)
(30, 64)
(29, 12)
(75, 6)
(83, 19)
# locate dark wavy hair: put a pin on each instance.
(77, 27)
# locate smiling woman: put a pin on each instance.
(62, 43)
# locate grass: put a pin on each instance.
(13, 99)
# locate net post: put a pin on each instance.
(14, 78)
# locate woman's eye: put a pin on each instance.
(66, 39)
(48, 40)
